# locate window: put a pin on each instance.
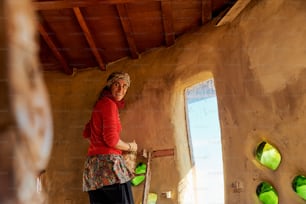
(205, 142)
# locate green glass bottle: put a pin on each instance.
(137, 180)
(268, 155)
(152, 198)
(141, 168)
(299, 186)
(266, 193)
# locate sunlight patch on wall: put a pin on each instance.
(186, 189)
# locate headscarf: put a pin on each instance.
(118, 75)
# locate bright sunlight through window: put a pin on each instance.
(205, 140)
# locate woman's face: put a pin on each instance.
(119, 89)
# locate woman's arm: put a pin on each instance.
(112, 127)
(126, 146)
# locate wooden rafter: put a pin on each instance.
(54, 5)
(54, 49)
(167, 22)
(236, 9)
(89, 37)
(206, 11)
(127, 29)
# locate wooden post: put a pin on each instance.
(147, 180)
(149, 155)
(26, 124)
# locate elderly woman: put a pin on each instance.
(106, 177)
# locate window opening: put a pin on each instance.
(268, 155)
(205, 142)
(299, 186)
(266, 193)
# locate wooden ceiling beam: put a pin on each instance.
(61, 4)
(127, 29)
(234, 11)
(89, 37)
(206, 11)
(167, 18)
(54, 49)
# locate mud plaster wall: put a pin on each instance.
(258, 63)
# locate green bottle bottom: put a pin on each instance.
(301, 191)
(137, 180)
(268, 197)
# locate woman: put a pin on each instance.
(106, 177)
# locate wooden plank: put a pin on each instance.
(206, 11)
(166, 8)
(127, 29)
(53, 47)
(54, 5)
(234, 12)
(89, 37)
(147, 184)
(163, 153)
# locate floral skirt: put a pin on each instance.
(105, 170)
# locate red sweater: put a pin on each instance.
(104, 128)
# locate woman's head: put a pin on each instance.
(118, 83)
(118, 75)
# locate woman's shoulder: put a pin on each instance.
(105, 101)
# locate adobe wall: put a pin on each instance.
(258, 63)
(261, 93)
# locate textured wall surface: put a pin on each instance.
(258, 63)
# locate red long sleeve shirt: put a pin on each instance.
(104, 128)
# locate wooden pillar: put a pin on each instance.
(25, 122)
(7, 190)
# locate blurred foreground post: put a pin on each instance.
(26, 128)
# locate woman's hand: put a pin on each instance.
(126, 146)
(132, 146)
